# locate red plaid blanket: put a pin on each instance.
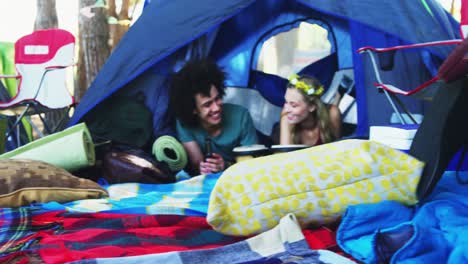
(31, 236)
(59, 236)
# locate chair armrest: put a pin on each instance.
(48, 69)
(10, 76)
(418, 45)
(57, 67)
(386, 55)
(396, 90)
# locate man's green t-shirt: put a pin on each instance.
(238, 130)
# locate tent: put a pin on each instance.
(232, 32)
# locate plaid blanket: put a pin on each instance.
(16, 230)
(30, 235)
(285, 243)
(135, 221)
(60, 236)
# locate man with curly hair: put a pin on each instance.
(203, 122)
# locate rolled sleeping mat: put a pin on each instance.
(168, 149)
(70, 149)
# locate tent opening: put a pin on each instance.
(289, 52)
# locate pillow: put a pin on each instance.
(25, 181)
(316, 184)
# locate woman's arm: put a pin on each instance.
(335, 121)
(285, 130)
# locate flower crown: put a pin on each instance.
(307, 88)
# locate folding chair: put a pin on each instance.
(382, 60)
(444, 129)
(41, 61)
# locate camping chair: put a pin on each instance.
(382, 60)
(41, 61)
(444, 129)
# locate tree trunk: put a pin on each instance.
(119, 22)
(46, 17)
(93, 43)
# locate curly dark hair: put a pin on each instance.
(196, 77)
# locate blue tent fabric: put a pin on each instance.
(273, 87)
(227, 30)
(270, 86)
(150, 40)
(324, 69)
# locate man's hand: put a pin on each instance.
(212, 165)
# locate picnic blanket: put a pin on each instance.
(435, 231)
(185, 197)
(285, 243)
(51, 233)
(28, 235)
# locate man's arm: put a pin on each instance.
(193, 150)
(194, 154)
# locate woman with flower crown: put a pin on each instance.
(305, 119)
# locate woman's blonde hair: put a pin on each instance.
(321, 113)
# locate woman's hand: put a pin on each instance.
(212, 165)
